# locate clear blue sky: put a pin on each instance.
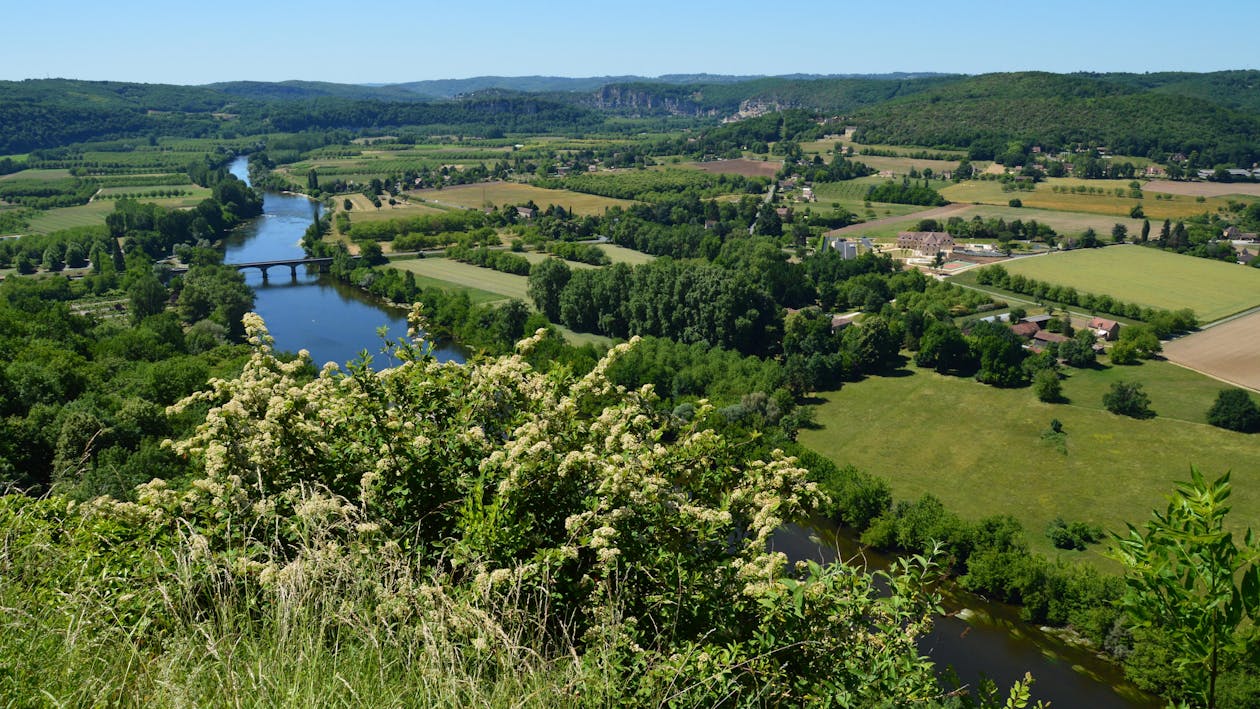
(187, 43)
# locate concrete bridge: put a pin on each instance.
(292, 263)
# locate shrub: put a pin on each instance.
(1128, 399)
(1235, 410)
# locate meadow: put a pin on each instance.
(981, 450)
(496, 193)
(1150, 277)
(1044, 197)
(483, 284)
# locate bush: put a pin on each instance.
(1235, 410)
(1128, 399)
(1047, 386)
(1073, 536)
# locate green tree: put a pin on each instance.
(218, 293)
(1146, 231)
(546, 282)
(1128, 399)
(1119, 233)
(1047, 385)
(145, 296)
(1235, 410)
(1187, 577)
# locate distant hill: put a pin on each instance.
(1057, 110)
(299, 90)
(448, 88)
(1239, 90)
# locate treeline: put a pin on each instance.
(582, 253)
(905, 192)
(48, 194)
(840, 169)
(689, 303)
(653, 185)
(1163, 322)
(424, 225)
(499, 260)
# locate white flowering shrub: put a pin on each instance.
(506, 513)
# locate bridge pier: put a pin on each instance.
(293, 270)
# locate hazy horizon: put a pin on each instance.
(325, 41)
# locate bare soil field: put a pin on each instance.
(1230, 351)
(741, 166)
(1203, 189)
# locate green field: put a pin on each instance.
(1149, 277)
(851, 194)
(50, 174)
(51, 220)
(620, 254)
(448, 275)
(1044, 197)
(495, 193)
(539, 257)
(980, 449)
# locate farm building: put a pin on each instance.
(1025, 329)
(1107, 329)
(925, 243)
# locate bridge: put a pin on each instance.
(292, 263)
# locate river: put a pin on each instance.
(335, 322)
(331, 320)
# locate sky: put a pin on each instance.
(347, 42)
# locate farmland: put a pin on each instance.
(742, 166)
(1204, 189)
(1227, 351)
(496, 193)
(1115, 469)
(1106, 203)
(1149, 277)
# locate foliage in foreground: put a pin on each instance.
(459, 534)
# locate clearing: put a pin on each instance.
(485, 194)
(1150, 277)
(981, 451)
(1229, 351)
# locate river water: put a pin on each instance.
(335, 322)
(331, 320)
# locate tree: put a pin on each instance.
(1128, 399)
(1089, 239)
(1235, 410)
(1142, 339)
(1047, 386)
(1079, 351)
(1187, 577)
(1119, 233)
(146, 296)
(546, 282)
(218, 293)
(1146, 231)
(1165, 232)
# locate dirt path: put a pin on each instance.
(934, 213)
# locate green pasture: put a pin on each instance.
(44, 222)
(621, 254)
(980, 449)
(903, 165)
(539, 257)
(1149, 277)
(448, 274)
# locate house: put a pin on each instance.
(925, 243)
(1025, 329)
(526, 212)
(840, 322)
(1109, 330)
(1155, 171)
(847, 249)
(1045, 337)
(807, 194)
(1232, 233)
(1038, 320)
